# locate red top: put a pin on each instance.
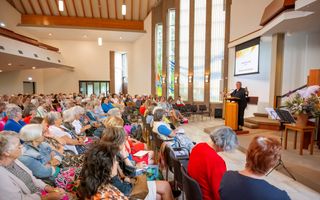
(207, 168)
(27, 119)
(142, 110)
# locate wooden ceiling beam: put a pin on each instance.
(83, 10)
(75, 9)
(81, 22)
(42, 12)
(49, 6)
(56, 2)
(32, 8)
(115, 8)
(100, 8)
(91, 8)
(131, 9)
(107, 5)
(66, 7)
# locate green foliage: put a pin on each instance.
(309, 105)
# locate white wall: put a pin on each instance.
(301, 53)
(139, 79)
(258, 84)
(12, 82)
(91, 62)
(245, 16)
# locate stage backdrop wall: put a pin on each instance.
(258, 84)
(301, 53)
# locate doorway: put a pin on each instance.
(29, 87)
(121, 73)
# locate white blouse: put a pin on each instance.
(58, 132)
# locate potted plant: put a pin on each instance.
(303, 107)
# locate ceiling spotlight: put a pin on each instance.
(33, 67)
(120, 38)
(29, 78)
(2, 24)
(0, 70)
(124, 8)
(50, 34)
(100, 41)
(61, 5)
(84, 36)
(9, 64)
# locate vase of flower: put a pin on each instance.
(302, 119)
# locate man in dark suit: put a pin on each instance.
(242, 94)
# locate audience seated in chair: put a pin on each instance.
(206, 166)
(17, 181)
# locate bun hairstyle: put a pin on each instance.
(225, 138)
(31, 132)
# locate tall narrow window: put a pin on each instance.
(171, 52)
(120, 72)
(217, 49)
(199, 49)
(184, 48)
(158, 51)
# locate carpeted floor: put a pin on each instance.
(305, 168)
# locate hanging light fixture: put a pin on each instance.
(61, 5)
(124, 8)
(100, 41)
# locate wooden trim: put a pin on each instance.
(10, 34)
(42, 12)
(107, 5)
(274, 9)
(164, 46)
(83, 10)
(65, 5)
(177, 48)
(24, 8)
(112, 71)
(56, 2)
(139, 16)
(75, 8)
(191, 51)
(32, 8)
(100, 9)
(91, 8)
(226, 49)
(81, 22)
(115, 8)
(207, 68)
(245, 35)
(131, 9)
(49, 6)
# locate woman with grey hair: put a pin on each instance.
(14, 122)
(77, 113)
(206, 166)
(17, 181)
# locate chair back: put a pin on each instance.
(191, 187)
(202, 108)
(177, 173)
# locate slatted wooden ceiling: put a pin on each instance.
(101, 9)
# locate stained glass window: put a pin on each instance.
(184, 48)
(171, 52)
(158, 52)
(199, 49)
(217, 49)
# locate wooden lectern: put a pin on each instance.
(231, 112)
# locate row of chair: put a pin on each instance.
(190, 110)
(182, 180)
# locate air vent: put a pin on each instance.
(1, 47)
(48, 58)
(59, 61)
(20, 51)
(35, 55)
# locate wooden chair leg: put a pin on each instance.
(311, 142)
(285, 138)
(295, 140)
